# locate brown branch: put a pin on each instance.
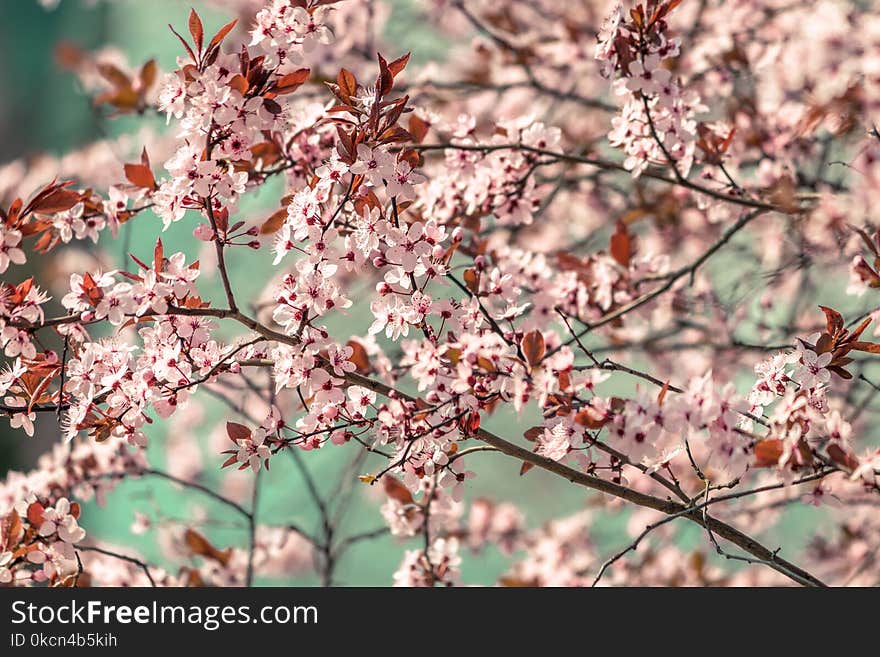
(719, 527)
(221, 257)
(608, 165)
(631, 547)
(122, 557)
(201, 488)
(669, 507)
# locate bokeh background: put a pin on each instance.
(43, 110)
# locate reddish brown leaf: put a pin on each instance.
(418, 128)
(636, 15)
(384, 81)
(200, 545)
(564, 380)
(395, 489)
(114, 76)
(839, 371)
(221, 34)
(869, 347)
(768, 452)
(35, 514)
(823, 344)
(57, 200)
(533, 347)
(861, 328)
(147, 76)
(473, 423)
(274, 222)
(347, 84)
(472, 280)
(12, 531)
(186, 46)
(398, 64)
(239, 83)
(196, 29)
(237, 431)
(292, 81)
(140, 175)
(842, 457)
(272, 106)
(833, 320)
(359, 357)
(525, 467)
(867, 240)
(621, 245)
(158, 256)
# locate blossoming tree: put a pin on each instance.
(661, 195)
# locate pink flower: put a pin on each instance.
(253, 450)
(555, 441)
(360, 399)
(59, 521)
(811, 372)
(339, 359)
(401, 181)
(647, 77)
(9, 249)
(374, 163)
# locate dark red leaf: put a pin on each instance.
(621, 245)
(833, 320)
(768, 452)
(221, 34)
(140, 175)
(533, 347)
(237, 431)
(347, 84)
(196, 29)
(396, 490)
(398, 64)
(35, 514)
(292, 81)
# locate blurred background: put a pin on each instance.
(43, 111)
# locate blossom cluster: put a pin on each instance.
(656, 124)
